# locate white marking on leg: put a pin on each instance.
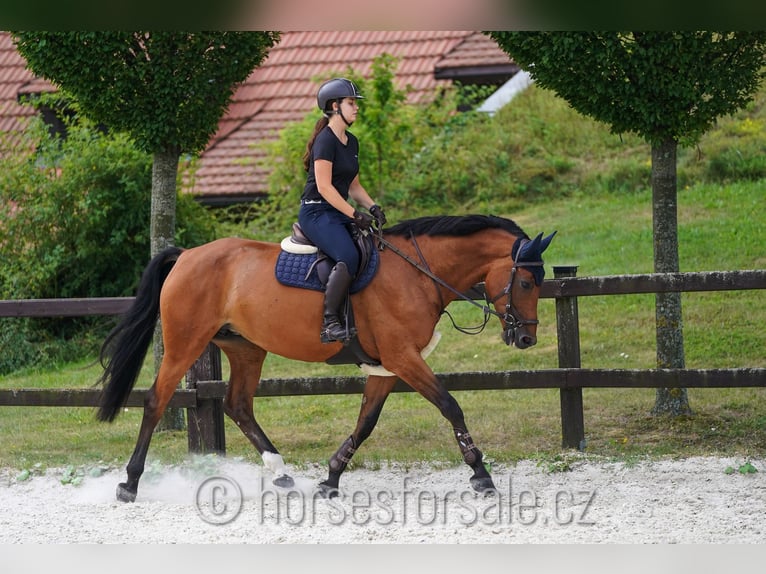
(275, 463)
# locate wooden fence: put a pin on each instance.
(205, 390)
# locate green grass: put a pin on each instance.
(720, 229)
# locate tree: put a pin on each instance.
(383, 129)
(168, 90)
(667, 87)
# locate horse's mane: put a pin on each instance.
(454, 225)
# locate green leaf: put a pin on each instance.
(747, 468)
(95, 472)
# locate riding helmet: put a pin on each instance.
(336, 89)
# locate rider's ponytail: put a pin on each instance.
(320, 125)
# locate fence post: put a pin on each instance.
(205, 421)
(568, 332)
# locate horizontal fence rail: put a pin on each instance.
(537, 379)
(467, 381)
(183, 398)
(551, 288)
(654, 283)
(204, 394)
(65, 307)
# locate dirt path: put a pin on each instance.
(670, 501)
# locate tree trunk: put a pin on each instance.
(163, 225)
(668, 319)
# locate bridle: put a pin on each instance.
(511, 318)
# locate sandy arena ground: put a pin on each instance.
(226, 501)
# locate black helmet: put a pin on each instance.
(336, 89)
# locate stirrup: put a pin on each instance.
(335, 332)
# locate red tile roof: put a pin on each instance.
(14, 75)
(283, 89)
(475, 52)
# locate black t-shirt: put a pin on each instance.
(344, 158)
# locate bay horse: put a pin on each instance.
(226, 292)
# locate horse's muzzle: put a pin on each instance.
(519, 337)
(524, 340)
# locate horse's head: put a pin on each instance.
(515, 292)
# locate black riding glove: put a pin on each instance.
(363, 220)
(380, 217)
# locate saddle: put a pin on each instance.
(302, 264)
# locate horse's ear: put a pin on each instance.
(546, 242)
(528, 250)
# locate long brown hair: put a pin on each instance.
(320, 125)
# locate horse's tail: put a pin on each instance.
(122, 354)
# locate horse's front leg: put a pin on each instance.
(376, 390)
(421, 378)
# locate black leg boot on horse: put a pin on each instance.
(335, 294)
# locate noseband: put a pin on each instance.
(511, 318)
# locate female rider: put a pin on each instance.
(332, 163)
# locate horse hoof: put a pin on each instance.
(483, 484)
(283, 481)
(328, 491)
(125, 495)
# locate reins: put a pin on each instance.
(487, 310)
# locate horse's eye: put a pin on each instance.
(525, 284)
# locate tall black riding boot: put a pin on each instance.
(334, 295)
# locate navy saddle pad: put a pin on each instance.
(292, 268)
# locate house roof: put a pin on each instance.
(14, 77)
(283, 89)
(478, 59)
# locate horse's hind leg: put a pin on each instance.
(246, 362)
(157, 399)
(376, 390)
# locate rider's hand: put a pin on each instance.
(363, 220)
(380, 217)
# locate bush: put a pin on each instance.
(738, 164)
(735, 150)
(48, 342)
(78, 220)
(74, 222)
(15, 342)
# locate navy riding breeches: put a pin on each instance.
(330, 230)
